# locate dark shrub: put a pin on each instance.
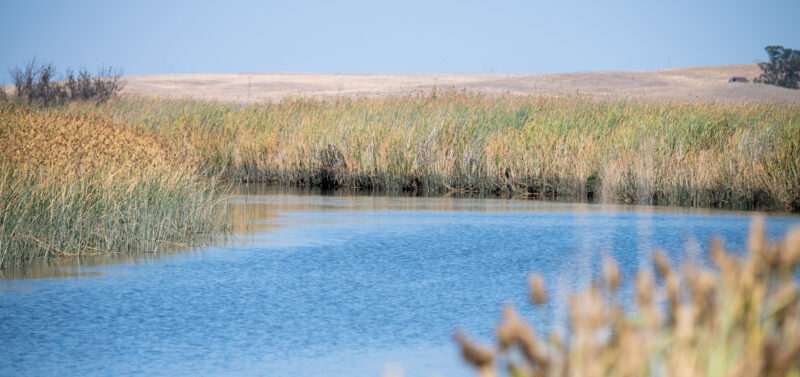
(35, 84)
(83, 86)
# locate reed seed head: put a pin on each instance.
(611, 273)
(477, 355)
(790, 250)
(644, 289)
(663, 265)
(757, 242)
(537, 289)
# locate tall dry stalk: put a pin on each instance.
(742, 319)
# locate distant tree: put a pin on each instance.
(783, 68)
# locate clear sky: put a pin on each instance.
(151, 37)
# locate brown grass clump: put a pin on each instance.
(741, 320)
(71, 143)
(77, 185)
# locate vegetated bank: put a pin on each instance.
(743, 156)
(75, 185)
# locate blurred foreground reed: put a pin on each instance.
(742, 319)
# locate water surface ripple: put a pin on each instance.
(333, 286)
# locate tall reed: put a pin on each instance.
(742, 319)
(712, 155)
(72, 185)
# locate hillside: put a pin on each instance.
(703, 84)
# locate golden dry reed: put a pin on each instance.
(740, 320)
(77, 185)
(744, 156)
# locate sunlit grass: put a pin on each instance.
(711, 155)
(744, 156)
(75, 185)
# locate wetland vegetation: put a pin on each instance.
(133, 173)
(744, 156)
(76, 185)
(136, 174)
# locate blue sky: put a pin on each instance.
(151, 37)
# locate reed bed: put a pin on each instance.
(741, 319)
(77, 185)
(744, 156)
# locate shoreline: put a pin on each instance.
(568, 149)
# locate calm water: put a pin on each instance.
(332, 286)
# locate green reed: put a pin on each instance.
(101, 212)
(711, 155)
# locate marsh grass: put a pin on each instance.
(741, 319)
(77, 185)
(710, 155)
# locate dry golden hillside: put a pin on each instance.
(704, 84)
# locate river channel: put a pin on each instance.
(334, 285)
